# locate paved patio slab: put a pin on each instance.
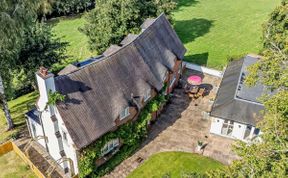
(179, 127)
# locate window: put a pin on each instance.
(172, 81)
(227, 128)
(179, 70)
(165, 76)
(147, 95)
(124, 113)
(64, 134)
(34, 130)
(110, 146)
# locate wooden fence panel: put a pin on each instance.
(27, 161)
(5, 148)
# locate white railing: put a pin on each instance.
(205, 70)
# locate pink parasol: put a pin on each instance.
(194, 80)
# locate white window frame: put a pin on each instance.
(147, 95)
(125, 113)
(173, 80)
(109, 146)
(179, 70)
(227, 126)
(34, 130)
(64, 135)
(165, 76)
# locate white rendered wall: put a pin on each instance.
(216, 125)
(69, 147)
(39, 131)
(205, 70)
(50, 134)
(44, 86)
(238, 130)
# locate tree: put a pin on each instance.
(272, 70)
(45, 8)
(16, 15)
(268, 158)
(111, 20)
(40, 48)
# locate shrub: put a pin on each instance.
(131, 134)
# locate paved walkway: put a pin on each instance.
(180, 126)
(40, 158)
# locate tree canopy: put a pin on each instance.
(268, 158)
(111, 20)
(40, 48)
(16, 16)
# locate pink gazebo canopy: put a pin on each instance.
(194, 80)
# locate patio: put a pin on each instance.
(181, 125)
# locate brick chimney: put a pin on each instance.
(46, 83)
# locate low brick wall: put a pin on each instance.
(205, 70)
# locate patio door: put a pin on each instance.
(247, 131)
(227, 128)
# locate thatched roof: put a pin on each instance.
(98, 92)
(111, 50)
(68, 69)
(147, 23)
(234, 100)
(128, 39)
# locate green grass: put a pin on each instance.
(67, 28)
(174, 164)
(214, 29)
(18, 108)
(211, 30)
(13, 167)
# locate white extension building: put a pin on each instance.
(237, 109)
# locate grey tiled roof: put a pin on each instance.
(238, 103)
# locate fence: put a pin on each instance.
(5, 148)
(205, 70)
(10, 146)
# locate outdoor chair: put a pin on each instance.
(194, 90)
(201, 92)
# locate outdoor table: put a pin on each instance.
(194, 80)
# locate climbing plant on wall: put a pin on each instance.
(131, 134)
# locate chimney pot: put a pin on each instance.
(43, 71)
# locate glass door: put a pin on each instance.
(227, 128)
(247, 131)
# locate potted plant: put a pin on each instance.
(15, 135)
(199, 145)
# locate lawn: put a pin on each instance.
(13, 167)
(18, 108)
(212, 30)
(174, 164)
(67, 29)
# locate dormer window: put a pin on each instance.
(172, 81)
(165, 76)
(147, 95)
(125, 113)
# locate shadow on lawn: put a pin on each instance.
(200, 59)
(189, 30)
(185, 3)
